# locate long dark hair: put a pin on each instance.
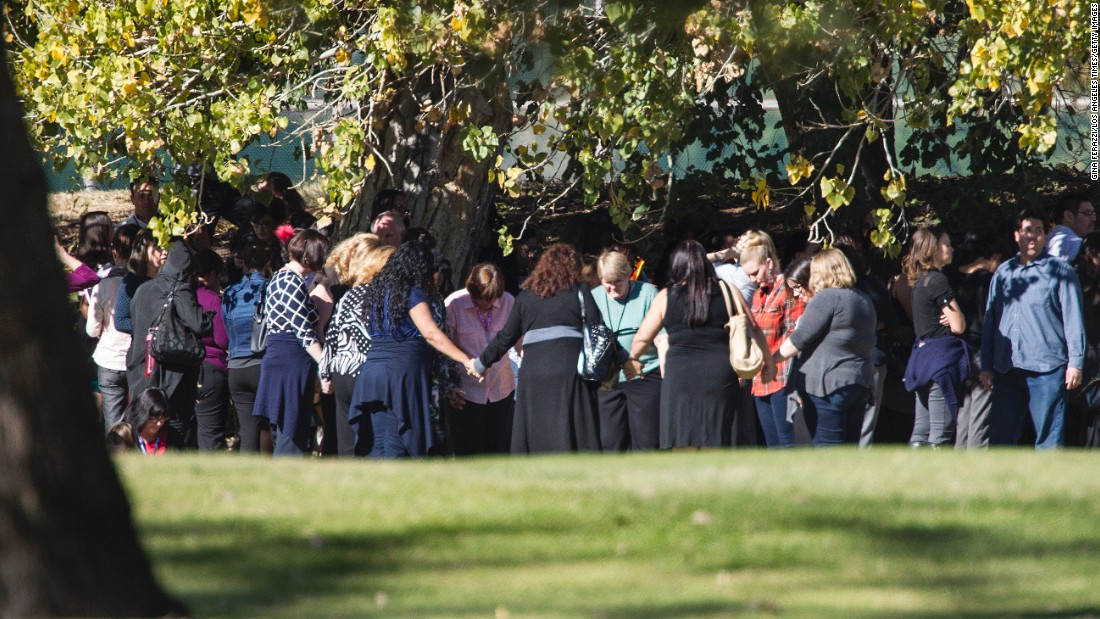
(94, 239)
(558, 268)
(411, 265)
(149, 403)
(693, 279)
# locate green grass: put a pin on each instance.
(802, 533)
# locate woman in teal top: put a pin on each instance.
(630, 411)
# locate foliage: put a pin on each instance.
(601, 99)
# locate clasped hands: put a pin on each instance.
(472, 371)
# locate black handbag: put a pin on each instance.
(258, 343)
(172, 342)
(598, 360)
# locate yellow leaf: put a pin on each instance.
(369, 163)
(342, 56)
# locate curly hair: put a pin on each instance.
(558, 268)
(388, 294)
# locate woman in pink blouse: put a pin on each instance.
(480, 416)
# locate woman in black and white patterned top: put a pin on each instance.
(285, 393)
(347, 343)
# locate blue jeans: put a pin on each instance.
(836, 418)
(772, 412)
(1044, 395)
(388, 443)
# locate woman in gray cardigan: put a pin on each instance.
(833, 340)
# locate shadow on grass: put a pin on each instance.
(245, 567)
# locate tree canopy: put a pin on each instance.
(598, 95)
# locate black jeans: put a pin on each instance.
(243, 383)
(211, 407)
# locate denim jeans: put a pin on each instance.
(972, 426)
(934, 422)
(113, 386)
(874, 406)
(1019, 391)
(836, 418)
(772, 412)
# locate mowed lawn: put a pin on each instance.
(886, 532)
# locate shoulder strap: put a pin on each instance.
(726, 294)
(580, 297)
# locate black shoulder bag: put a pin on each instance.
(599, 359)
(171, 341)
(259, 324)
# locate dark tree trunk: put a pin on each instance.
(448, 190)
(67, 544)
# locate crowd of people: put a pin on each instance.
(364, 349)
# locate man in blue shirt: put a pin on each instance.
(1033, 340)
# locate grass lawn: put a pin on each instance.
(801, 533)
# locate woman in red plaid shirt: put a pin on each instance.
(775, 310)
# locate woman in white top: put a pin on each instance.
(110, 351)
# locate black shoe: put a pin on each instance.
(918, 444)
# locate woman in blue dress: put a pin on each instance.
(405, 321)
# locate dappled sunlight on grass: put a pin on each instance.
(801, 533)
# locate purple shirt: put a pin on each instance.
(82, 277)
(471, 336)
(218, 342)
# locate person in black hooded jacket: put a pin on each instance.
(178, 382)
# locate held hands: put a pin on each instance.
(632, 368)
(470, 370)
(768, 372)
(326, 386)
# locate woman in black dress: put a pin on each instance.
(555, 409)
(700, 390)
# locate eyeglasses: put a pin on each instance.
(1087, 213)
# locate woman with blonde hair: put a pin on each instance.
(480, 415)
(938, 351)
(356, 262)
(834, 339)
(775, 309)
(630, 412)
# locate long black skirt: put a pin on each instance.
(555, 410)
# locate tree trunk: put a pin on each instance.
(448, 190)
(67, 545)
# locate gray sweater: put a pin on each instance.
(835, 337)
